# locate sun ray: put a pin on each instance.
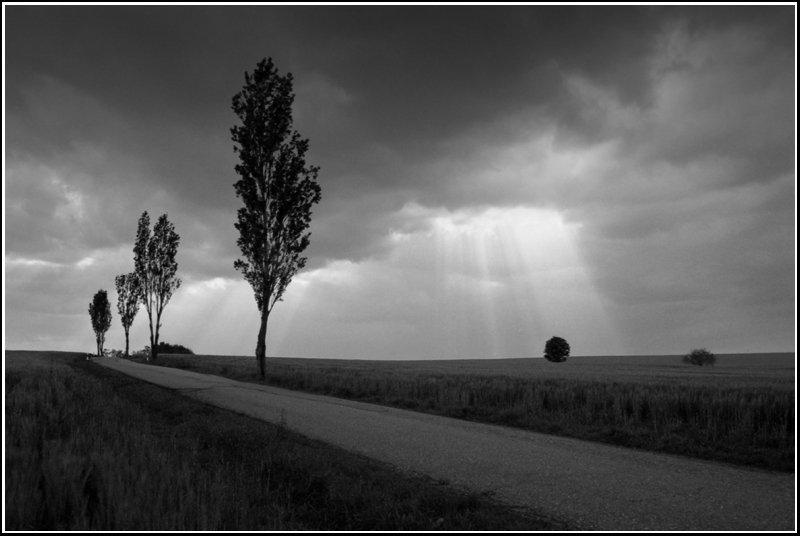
(285, 312)
(520, 270)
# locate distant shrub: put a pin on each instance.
(556, 350)
(144, 353)
(113, 353)
(167, 348)
(700, 356)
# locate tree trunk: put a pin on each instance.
(154, 347)
(152, 344)
(261, 345)
(126, 342)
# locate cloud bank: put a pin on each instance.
(620, 176)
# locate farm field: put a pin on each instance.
(740, 411)
(88, 448)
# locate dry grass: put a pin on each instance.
(88, 448)
(741, 411)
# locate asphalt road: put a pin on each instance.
(589, 486)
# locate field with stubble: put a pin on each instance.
(741, 411)
(88, 448)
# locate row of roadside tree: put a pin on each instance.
(277, 189)
(151, 284)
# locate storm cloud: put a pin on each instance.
(621, 176)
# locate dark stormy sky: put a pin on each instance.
(623, 177)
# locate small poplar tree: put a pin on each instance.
(156, 268)
(128, 296)
(276, 186)
(100, 313)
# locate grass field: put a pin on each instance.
(88, 448)
(740, 411)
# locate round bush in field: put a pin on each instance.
(556, 350)
(700, 356)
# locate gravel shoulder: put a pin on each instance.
(587, 485)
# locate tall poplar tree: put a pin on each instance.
(156, 268)
(128, 296)
(100, 313)
(277, 189)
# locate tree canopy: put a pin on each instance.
(700, 357)
(556, 350)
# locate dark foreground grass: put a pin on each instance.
(88, 448)
(728, 420)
